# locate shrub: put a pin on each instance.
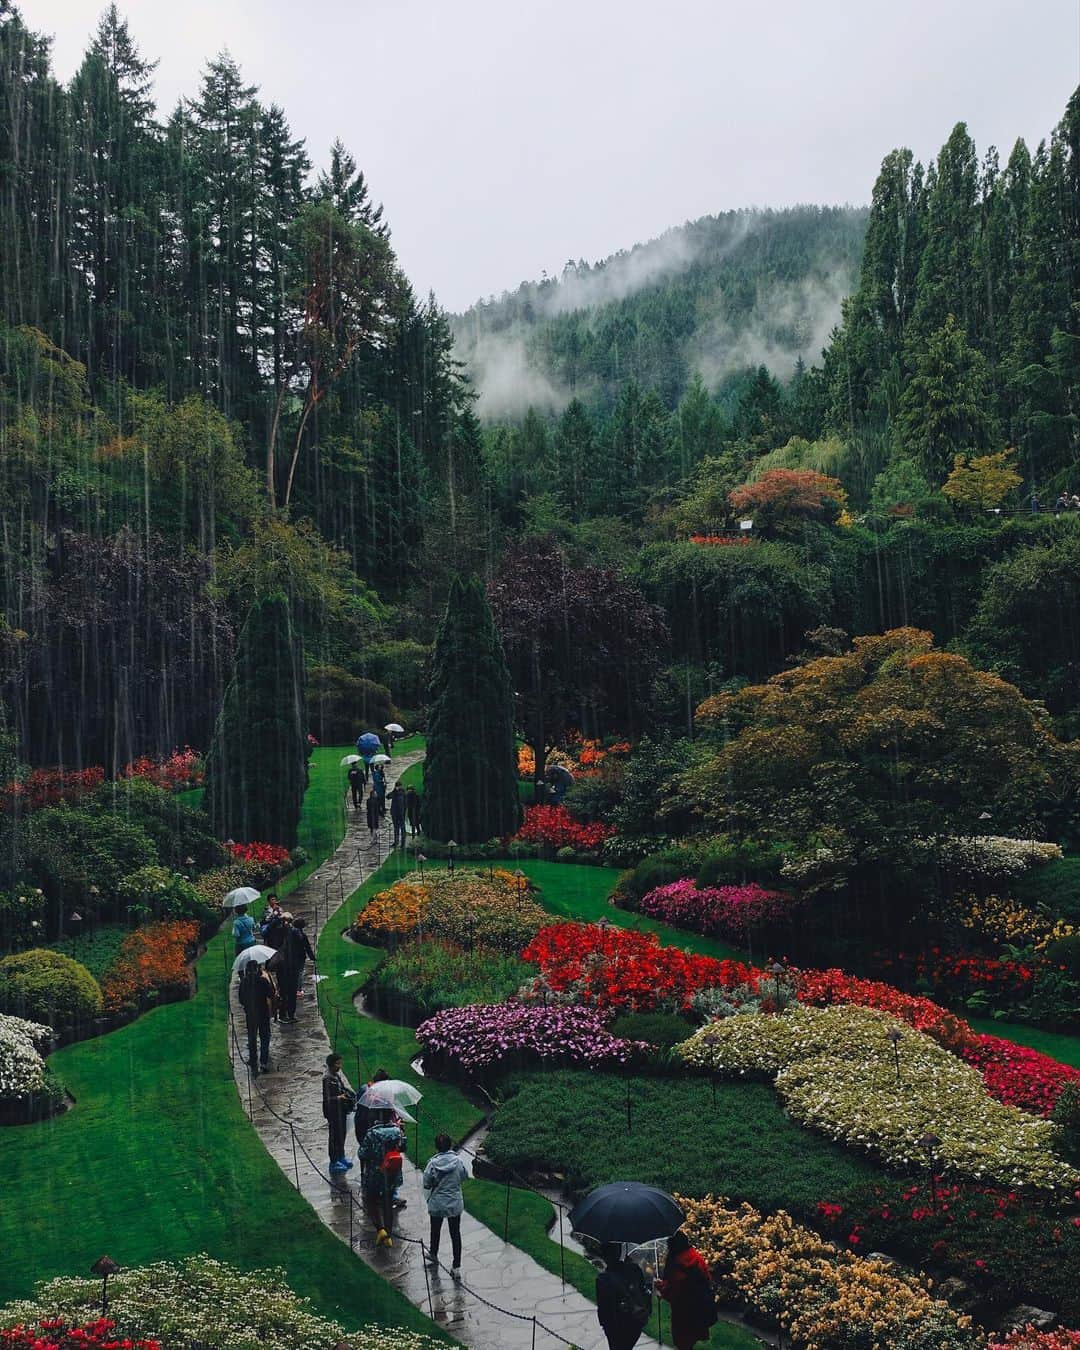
(96, 950)
(834, 1071)
(1066, 1117)
(662, 1030)
(155, 892)
(554, 827)
(73, 849)
(180, 833)
(618, 968)
(202, 1301)
(22, 916)
(992, 855)
(176, 772)
(647, 876)
(479, 1038)
(22, 1069)
(723, 911)
(47, 986)
(468, 908)
(1065, 952)
(437, 975)
(1054, 888)
(819, 1294)
(50, 787)
(264, 863)
(151, 966)
(337, 703)
(734, 860)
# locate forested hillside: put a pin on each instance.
(714, 295)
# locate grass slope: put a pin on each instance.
(157, 1159)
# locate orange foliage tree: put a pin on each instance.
(785, 498)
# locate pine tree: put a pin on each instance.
(470, 777)
(256, 770)
(944, 407)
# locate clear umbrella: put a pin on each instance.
(392, 1094)
(243, 895)
(352, 759)
(257, 953)
(395, 727)
(380, 759)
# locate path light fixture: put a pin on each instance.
(776, 970)
(104, 1266)
(421, 858)
(451, 844)
(521, 882)
(896, 1036)
(930, 1142)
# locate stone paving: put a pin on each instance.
(285, 1105)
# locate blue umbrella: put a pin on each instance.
(368, 744)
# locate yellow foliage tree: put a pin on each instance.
(982, 482)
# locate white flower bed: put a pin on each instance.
(203, 1300)
(22, 1069)
(994, 855)
(835, 1071)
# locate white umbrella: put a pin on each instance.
(392, 1094)
(380, 759)
(243, 895)
(395, 727)
(352, 759)
(255, 953)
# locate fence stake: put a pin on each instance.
(562, 1251)
(351, 1207)
(629, 1117)
(506, 1220)
(427, 1279)
(534, 1332)
(296, 1165)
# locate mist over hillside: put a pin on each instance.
(714, 295)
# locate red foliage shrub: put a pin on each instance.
(555, 827)
(180, 770)
(49, 787)
(265, 860)
(151, 958)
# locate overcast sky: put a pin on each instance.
(506, 136)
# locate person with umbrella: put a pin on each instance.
(623, 1301)
(257, 996)
(378, 786)
(337, 1102)
(243, 929)
(687, 1286)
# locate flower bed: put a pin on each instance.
(422, 978)
(263, 862)
(824, 988)
(481, 1037)
(1032, 1339)
(554, 827)
(58, 1333)
(177, 772)
(49, 787)
(999, 919)
(994, 855)
(468, 908)
(607, 967)
(1019, 1075)
(835, 1072)
(200, 1301)
(820, 1295)
(151, 967)
(717, 911)
(27, 1090)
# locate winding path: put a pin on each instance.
(504, 1297)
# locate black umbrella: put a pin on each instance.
(626, 1211)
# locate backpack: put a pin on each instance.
(632, 1302)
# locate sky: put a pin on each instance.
(507, 136)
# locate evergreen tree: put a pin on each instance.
(470, 778)
(944, 407)
(256, 770)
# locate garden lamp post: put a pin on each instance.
(896, 1036)
(104, 1266)
(930, 1143)
(776, 970)
(521, 882)
(421, 858)
(451, 844)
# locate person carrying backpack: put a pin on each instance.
(623, 1302)
(380, 1156)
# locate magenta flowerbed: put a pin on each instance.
(716, 911)
(482, 1035)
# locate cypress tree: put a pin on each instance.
(470, 778)
(256, 769)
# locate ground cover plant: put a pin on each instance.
(433, 975)
(469, 908)
(142, 1201)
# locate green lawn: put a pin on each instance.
(157, 1160)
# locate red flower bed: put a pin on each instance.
(725, 911)
(555, 827)
(1031, 1339)
(268, 857)
(1019, 1076)
(961, 976)
(607, 967)
(55, 1333)
(723, 540)
(181, 770)
(826, 987)
(152, 958)
(49, 787)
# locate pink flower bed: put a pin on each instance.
(482, 1035)
(716, 911)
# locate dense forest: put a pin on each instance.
(217, 386)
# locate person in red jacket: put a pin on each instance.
(687, 1286)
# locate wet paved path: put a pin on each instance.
(285, 1105)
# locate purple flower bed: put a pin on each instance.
(716, 911)
(482, 1035)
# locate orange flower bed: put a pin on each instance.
(151, 958)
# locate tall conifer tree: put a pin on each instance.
(470, 778)
(256, 770)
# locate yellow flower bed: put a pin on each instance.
(835, 1070)
(469, 908)
(1005, 920)
(823, 1297)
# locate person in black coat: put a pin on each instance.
(397, 815)
(623, 1302)
(257, 995)
(412, 809)
(374, 814)
(356, 785)
(295, 950)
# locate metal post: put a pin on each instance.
(296, 1165)
(506, 1219)
(562, 1251)
(351, 1208)
(427, 1279)
(629, 1117)
(534, 1332)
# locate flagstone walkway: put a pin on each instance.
(504, 1299)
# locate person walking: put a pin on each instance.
(295, 950)
(397, 815)
(337, 1102)
(243, 930)
(257, 995)
(378, 783)
(412, 809)
(374, 816)
(356, 785)
(381, 1166)
(362, 1118)
(443, 1176)
(687, 1286)
(623, 1301)
(272, 927)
